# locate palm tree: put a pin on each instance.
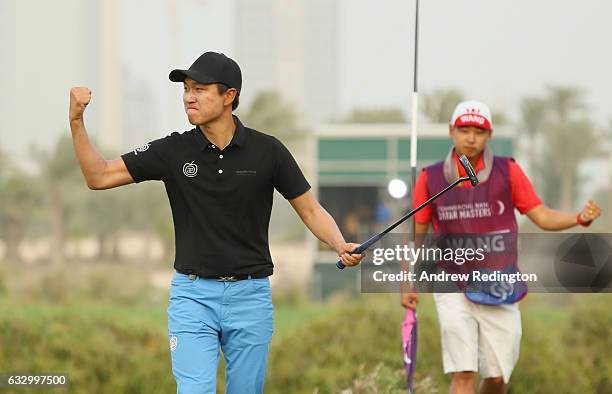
(380, 115)
(19, 197)
(439, 104)
(568, 139)
(534, 114)
(270, 114)
(60, 174)
(565, 102)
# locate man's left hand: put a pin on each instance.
(349, 259)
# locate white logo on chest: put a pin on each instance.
(190, 169)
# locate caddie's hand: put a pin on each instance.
(410, 300)
(349, 259)
(590, 212)
(79, 98)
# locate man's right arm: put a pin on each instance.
(99, 173)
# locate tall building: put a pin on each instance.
(7, 65)
(48, 47)
(108, 73)
(290, 46)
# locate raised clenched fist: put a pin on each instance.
(79, 98)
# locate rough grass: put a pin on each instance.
(112, 340)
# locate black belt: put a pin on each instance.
(227, 278)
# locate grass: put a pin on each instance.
(44, 336)
(287, 318)
(115, 342)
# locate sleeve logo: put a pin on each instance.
(190, 170)
(141, 149)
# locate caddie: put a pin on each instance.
(481, 333)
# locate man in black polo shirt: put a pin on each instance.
(220, 177)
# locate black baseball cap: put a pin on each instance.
(211, 67)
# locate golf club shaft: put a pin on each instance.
(361, 248)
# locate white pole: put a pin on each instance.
(415, 113)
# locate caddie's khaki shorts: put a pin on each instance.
(479, 338)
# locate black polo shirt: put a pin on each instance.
(221, 199)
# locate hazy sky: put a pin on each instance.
(495, 51)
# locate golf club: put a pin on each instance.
(471, 176)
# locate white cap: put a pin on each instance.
(472, 113)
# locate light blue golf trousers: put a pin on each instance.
(205, 315)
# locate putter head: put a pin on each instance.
(469, 170)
